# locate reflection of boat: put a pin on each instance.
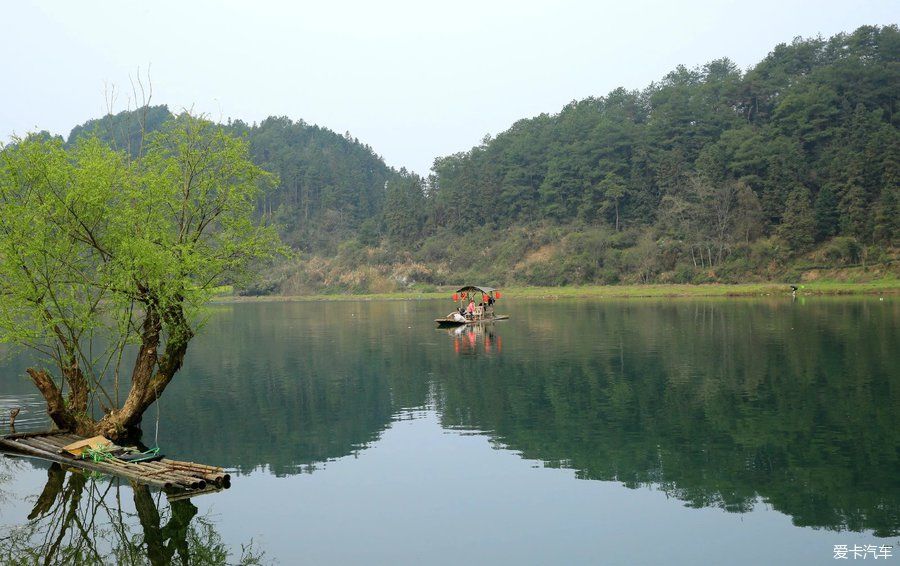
(481, 310)
(466, 339)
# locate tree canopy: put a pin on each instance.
(103, 249)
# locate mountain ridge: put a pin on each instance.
(711, 174)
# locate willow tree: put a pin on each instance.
(105, 259)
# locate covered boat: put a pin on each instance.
(475, 305)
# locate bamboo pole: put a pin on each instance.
(192, 465)
(32, 434)
(84, 464)
(215, 478)
(44, 445)
(161, 473)
(180, 479)
(154, 468)
(218, 478)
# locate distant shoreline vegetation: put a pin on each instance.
(824, 288)
(786, 171)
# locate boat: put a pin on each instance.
(484, 297)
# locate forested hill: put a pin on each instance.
(329, 184)
(710, 174)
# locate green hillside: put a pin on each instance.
(790, 169)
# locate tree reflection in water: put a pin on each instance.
(82, 519)
(719, 403)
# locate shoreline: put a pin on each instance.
(825, 288)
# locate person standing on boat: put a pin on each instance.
(470, 310)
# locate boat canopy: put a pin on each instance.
(480, 288)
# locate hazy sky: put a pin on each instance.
(413, 79)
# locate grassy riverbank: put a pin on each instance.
(884, 286)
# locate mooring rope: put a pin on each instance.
(101, 454)
(97, 454)
(104, 453)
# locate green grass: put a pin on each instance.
(889, 286)
(223, 290)
(708, 290)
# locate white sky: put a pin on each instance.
(413, 79)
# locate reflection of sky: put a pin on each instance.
(391, 504)
(21, 481)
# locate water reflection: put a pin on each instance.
(718, 403)
(81, 519)
(476, 339)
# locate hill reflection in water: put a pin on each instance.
(721, 403)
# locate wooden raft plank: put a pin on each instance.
(165, 474)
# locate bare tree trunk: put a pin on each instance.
(147, 386)
(68, 414)
(150, 376)
(78, 387)
(56, 405)
(144, 365)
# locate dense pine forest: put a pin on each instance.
(787, 171)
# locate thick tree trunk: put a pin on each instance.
(147, 386)
(78, 387)
(150, 376)
(63, 416)
(144, 365)
(56, 406)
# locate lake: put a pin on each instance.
(727, 431)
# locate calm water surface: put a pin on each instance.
(627, 432)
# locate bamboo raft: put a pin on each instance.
(450, 321)
(190, 478)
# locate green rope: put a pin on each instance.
(104, 453)
(146, 455)
(98, 454)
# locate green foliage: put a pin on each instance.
(93, 241)
(329, 184)
(843, 250)
(826, 214)
(710, 157)
(125, 131)
(404, 208)
(798, 225)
